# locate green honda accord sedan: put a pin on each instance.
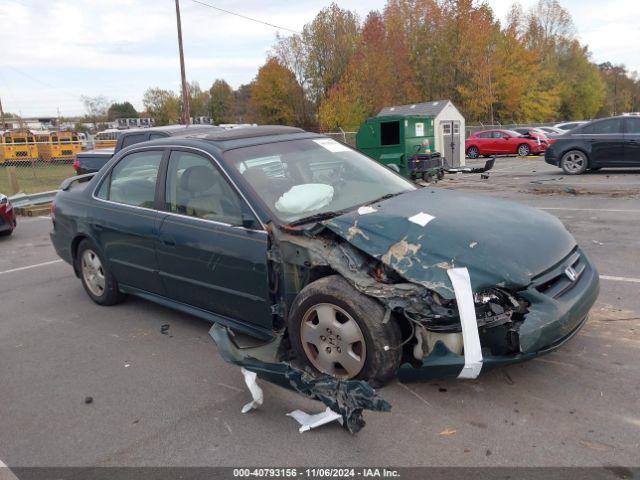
(331, 260)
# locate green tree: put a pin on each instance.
(221, 102)
(121, 110)
(198, 100)
(162, 105)
(583, 90)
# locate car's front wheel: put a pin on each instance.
(574, 162)
(524, 150)
(473, 152)
(98, 281)
(341, 332)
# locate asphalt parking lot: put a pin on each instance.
(161, 400)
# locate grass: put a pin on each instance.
(39, 177)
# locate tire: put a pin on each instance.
(473, 152)
(574, 162)
(427, 177)
(524, 150)
(333, 307)
(94, 272)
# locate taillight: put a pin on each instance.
(52, 210)
(76, 164)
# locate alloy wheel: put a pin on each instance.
(574, 162)
(93, 272)
(333, 341)
(472, 152)
(523, 150)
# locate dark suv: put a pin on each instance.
(603, 143)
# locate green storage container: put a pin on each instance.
(394, 139)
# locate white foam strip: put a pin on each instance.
(471, 339)
(307, 422)
(254, 388)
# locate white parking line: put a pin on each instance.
(614, 210)
(619, 279)
(29, 267)
(6, 473)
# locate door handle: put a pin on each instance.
(168, 241)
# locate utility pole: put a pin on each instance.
(186, 116)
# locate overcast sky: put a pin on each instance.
(54, 51)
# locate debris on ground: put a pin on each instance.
(164, 329)
(307, 422)
(348, 398)
(88, 400)
(447, 432)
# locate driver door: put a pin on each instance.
(206, 258)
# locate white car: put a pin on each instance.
(569, 125)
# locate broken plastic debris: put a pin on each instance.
(305, 198)
(473, 244)
(470, 337)
(447, 432)
(366, 209)
(307, 422)
(254, 388)
(421, 219)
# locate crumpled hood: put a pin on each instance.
(501, 243)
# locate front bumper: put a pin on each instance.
(550, 157)
(552, 319)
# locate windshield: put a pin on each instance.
(300, 178)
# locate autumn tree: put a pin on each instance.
(96, 108)
(162, 105)
(276, 95)
(329, 41)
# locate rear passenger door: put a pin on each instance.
(605, 140)
(125, 222)
(632, 141)
(207, 259)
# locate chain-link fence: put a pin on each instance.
(470, 129)
(33, 176)
(344, 137)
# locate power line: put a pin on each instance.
(244, 16)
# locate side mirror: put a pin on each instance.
(248, 221)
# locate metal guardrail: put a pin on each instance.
(26, 200)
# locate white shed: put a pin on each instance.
(448, 124)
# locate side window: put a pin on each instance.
(195, 187)
(604, 127)
(496, 135)
(153, 136)
(632, 126)
(484, 135)
(133, 179)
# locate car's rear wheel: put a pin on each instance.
(524, 150)
(98, 281)
(341, 332)
(473, 152)
(574, 162)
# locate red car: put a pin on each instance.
(7, 216)
(503, 142)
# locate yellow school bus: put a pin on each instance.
(53, 146)
(18, 146)
(106, 138)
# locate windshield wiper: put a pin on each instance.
(384, 197)
(316, 217)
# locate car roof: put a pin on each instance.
(234, 138)
(175, 130)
